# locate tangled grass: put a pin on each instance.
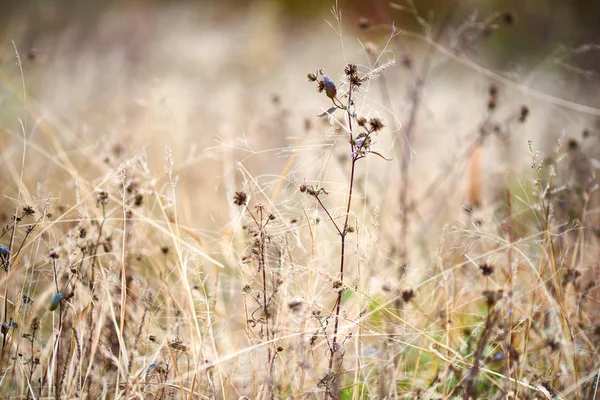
(374, 251)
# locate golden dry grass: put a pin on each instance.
(130, 143)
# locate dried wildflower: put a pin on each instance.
(330, 89)
(246, 289)
(351, 72)
(491, 104)
(364, 23)
(28, 210)
(338, 285)
(376, 124)
(272, 217)
(311, 77)
(571, 276)
(164, 250)
(361, 121)
(351, 69)
(523, 114)
(240, 198)
(493, 90)
(486, 269)
(53, 255)
(102, 198)
(279, 349)
(178, 345)
(138, 200)
(320, 86)
(408, 295)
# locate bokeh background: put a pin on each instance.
(229, 75)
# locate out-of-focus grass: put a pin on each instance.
(129, 136)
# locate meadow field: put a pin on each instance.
(298, 200)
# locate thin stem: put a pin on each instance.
(329, 215)
(333, 354)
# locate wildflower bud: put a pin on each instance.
(55, 301)
(311, 77)
(362, 121)
(330, 89)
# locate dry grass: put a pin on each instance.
(129, 272)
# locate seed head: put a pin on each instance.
(351, 69)
(102, 198)
(240, 198)
(28, 210)
(486, 269)
(376, 124)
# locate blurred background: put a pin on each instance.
(220, 82)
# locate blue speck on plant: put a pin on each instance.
(55, 301)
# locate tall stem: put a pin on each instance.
(333, 389)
